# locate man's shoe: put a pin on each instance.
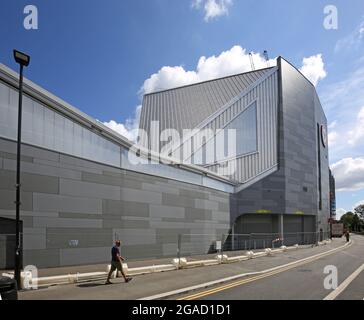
(108, 282)
(128, 279)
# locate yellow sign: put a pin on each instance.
(264, 211)
(299, 212)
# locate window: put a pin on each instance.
(237, 138)
(245, 125)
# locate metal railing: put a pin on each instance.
(196, 245)
(155, 246)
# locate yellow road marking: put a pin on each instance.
(255, 278)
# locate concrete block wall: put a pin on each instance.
(73, 209)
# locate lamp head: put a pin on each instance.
(21, 58)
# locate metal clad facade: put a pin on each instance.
(251, 165)
(186, 107)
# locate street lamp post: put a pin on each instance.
(23, 60)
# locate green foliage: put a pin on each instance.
(359, 210)
(353, 221)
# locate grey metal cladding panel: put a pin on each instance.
(267, 104)
(190, 105)
(299, 112)
(59, 203)
(125, 208)
(31, 182)
(47, 258)
(7, 198)
(44, 170)
(79, 256)
(60, 240)
(66, 222)
(89, 190)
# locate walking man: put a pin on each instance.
(347, 235)
(117, 263)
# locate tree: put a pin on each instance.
(347, 220)
(359, 210)
(356, 223)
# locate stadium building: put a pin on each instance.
(81, 189)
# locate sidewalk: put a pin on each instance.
(151, 284)
(47, 272)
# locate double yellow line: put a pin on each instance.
(261, 276)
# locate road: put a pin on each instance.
(302, 282)
(305, 282)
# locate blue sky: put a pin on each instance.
(97, 56)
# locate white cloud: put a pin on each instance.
(130, 129)
(313, 68)
(340, 212)
(233, 61)
(344, 101)
(332, 125)
(352, 41)
(212, 8)
(356, 135)
(333, 136)
(349, 174)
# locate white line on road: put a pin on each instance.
(334, 294)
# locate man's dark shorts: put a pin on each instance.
(116, 265)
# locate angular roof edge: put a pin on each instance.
(205, 81)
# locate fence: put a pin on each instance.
(71, 245)
(193, 245)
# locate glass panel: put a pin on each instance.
(48, 129)
(86, 143)
(11, 117)
(246, 131)
(77, 140)
(68, 136)
(239, 137)
(5, 119)
(27, 120)
(59, 132)
(38, 124)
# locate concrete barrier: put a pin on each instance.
(250, 254)
(201, 263)
(181, 262)
(237, 259)
(221, 258)
(259, 254)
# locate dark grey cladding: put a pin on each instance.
(294, 188)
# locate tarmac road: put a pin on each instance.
(305, 282)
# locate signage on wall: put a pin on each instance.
(263, 211)
(324, 135)
(299, 212)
